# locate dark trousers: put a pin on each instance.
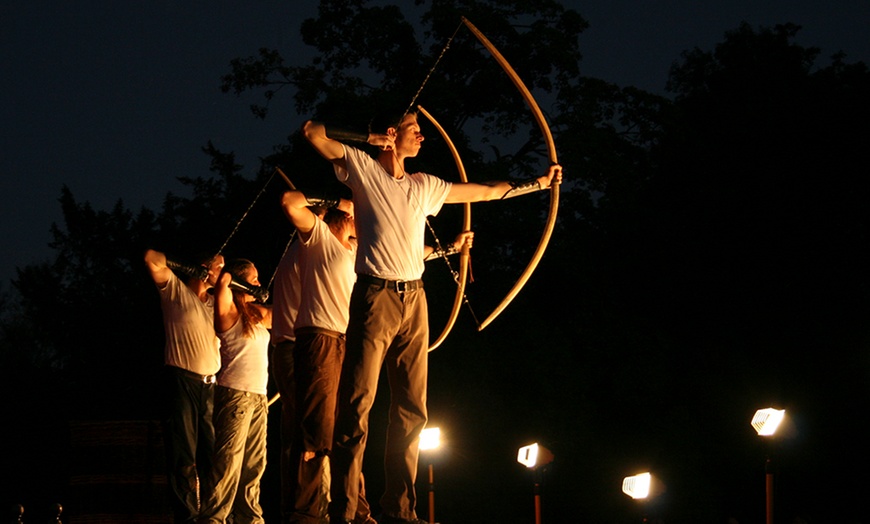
(188, 442)
(318, 357)
(282, 372)
(386, 328)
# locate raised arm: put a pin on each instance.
(296, 209)
(155, 261)
(327, 140)
(332, 150)
(497, 190)
(225, 312)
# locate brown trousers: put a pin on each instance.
(389, 328)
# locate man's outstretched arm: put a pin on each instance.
(497, 190)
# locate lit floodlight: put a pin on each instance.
(766, 421)
(534, 455)
(637, 486)
(430, 438)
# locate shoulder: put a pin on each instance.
(429, 181)
(173, 285)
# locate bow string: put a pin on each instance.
(461, 277)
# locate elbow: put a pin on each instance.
(292, 199)
(308, 129)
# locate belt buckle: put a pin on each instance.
(209, 379)
(402, 286)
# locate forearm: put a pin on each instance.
(500, 190)
(295, 207)
(431, 253)
(224, 308)
(315, 133)
(155, 260)
(486, 191)
(517, 188)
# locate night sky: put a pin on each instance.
(116, 100)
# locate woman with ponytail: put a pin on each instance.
(241, 403)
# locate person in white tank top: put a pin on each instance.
(241, 405)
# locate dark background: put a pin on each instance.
(648, 348)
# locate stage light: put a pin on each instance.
(430, 440)
(534, 456)
(637, 486)
(767, 421)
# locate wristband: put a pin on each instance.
(437, 252)
(199, 272)
(328, 203)
(339, 134)
(522, 188)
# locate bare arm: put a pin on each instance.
(155, 261)
(295, 206)
(479, 192)
(466, 237)
(225, 312)
(332, 150)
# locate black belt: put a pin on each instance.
(205, 379)
(310, 330)
(400, 286)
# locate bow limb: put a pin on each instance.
(554, 187)
(466, 226)
(286, 178)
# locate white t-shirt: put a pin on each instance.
(286, 295)
(244, 360)
(390, 215)
(326, 270)
(191, 343)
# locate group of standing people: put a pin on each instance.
(348, 300)
(217, 376)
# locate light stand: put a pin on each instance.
(535, 457)
(766, 422)
(430, 439)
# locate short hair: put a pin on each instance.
(387, 119)
(333, 215)
(205, 258)
(319, 211)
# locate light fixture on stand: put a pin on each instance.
(430, 439)
(766, 422)
(535, 457)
